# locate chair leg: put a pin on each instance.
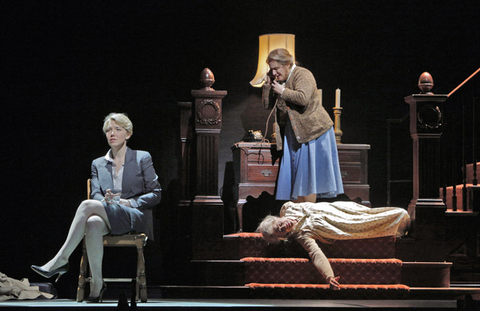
(82, 278)
(141, 274)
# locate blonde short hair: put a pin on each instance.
(119, 118)
(282, 56)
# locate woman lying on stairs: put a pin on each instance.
(307, 222)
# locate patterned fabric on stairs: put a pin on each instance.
(366, 267)
(300, 270)
(252, 245)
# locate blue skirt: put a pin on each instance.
(308, 168)
(124, 219)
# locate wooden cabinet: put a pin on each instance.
(256, 170)
(354, 168)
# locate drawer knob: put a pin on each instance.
(266, 173)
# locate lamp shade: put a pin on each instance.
(268, 43)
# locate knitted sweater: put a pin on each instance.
(301, 104)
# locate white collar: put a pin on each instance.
(293, 67)
(108, 156)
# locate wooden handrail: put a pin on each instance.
(461, 84)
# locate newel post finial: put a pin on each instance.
(425, 83)
(207, 79)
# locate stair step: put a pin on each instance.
(322, 291)
(301, 270)
(471, 193)
(247, 244)
(296, 270)
(426, 274)
(470, 172)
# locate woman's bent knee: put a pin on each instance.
(95, 224)
(91, 206)
(90, 202)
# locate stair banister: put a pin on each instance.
(426, 208)
(461, 84)
(463, 159)
(474, 134)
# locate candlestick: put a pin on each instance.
(337, 98)
(337, 111)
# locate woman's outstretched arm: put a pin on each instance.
(319, 260)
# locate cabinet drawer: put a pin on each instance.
(259, 157)
(350, 156)
(351, 173)
(261, 173)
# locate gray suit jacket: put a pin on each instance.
(140, 183)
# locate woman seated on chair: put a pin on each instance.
(327, 222)
(122, 172)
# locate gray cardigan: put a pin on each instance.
(301, 104)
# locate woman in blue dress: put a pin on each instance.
(309, 168)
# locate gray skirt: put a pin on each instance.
(124, 219)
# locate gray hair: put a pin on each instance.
(266, 229)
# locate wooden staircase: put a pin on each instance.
(242, 265)
(369, 269)
(455, 201)
(463, 229)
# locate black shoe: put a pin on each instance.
(48, 274)
(99, 297)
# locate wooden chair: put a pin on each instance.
(126, 240)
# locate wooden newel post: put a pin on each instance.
(207, 229)
(426, 208)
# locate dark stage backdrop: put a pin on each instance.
(66, 65)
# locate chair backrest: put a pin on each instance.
(89, 182)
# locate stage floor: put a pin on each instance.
(234, 304)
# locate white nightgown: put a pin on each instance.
(341, 221)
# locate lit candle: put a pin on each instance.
(337, 98)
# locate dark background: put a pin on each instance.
(65, 65)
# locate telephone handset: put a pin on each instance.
(253, 136)
(271, 76)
